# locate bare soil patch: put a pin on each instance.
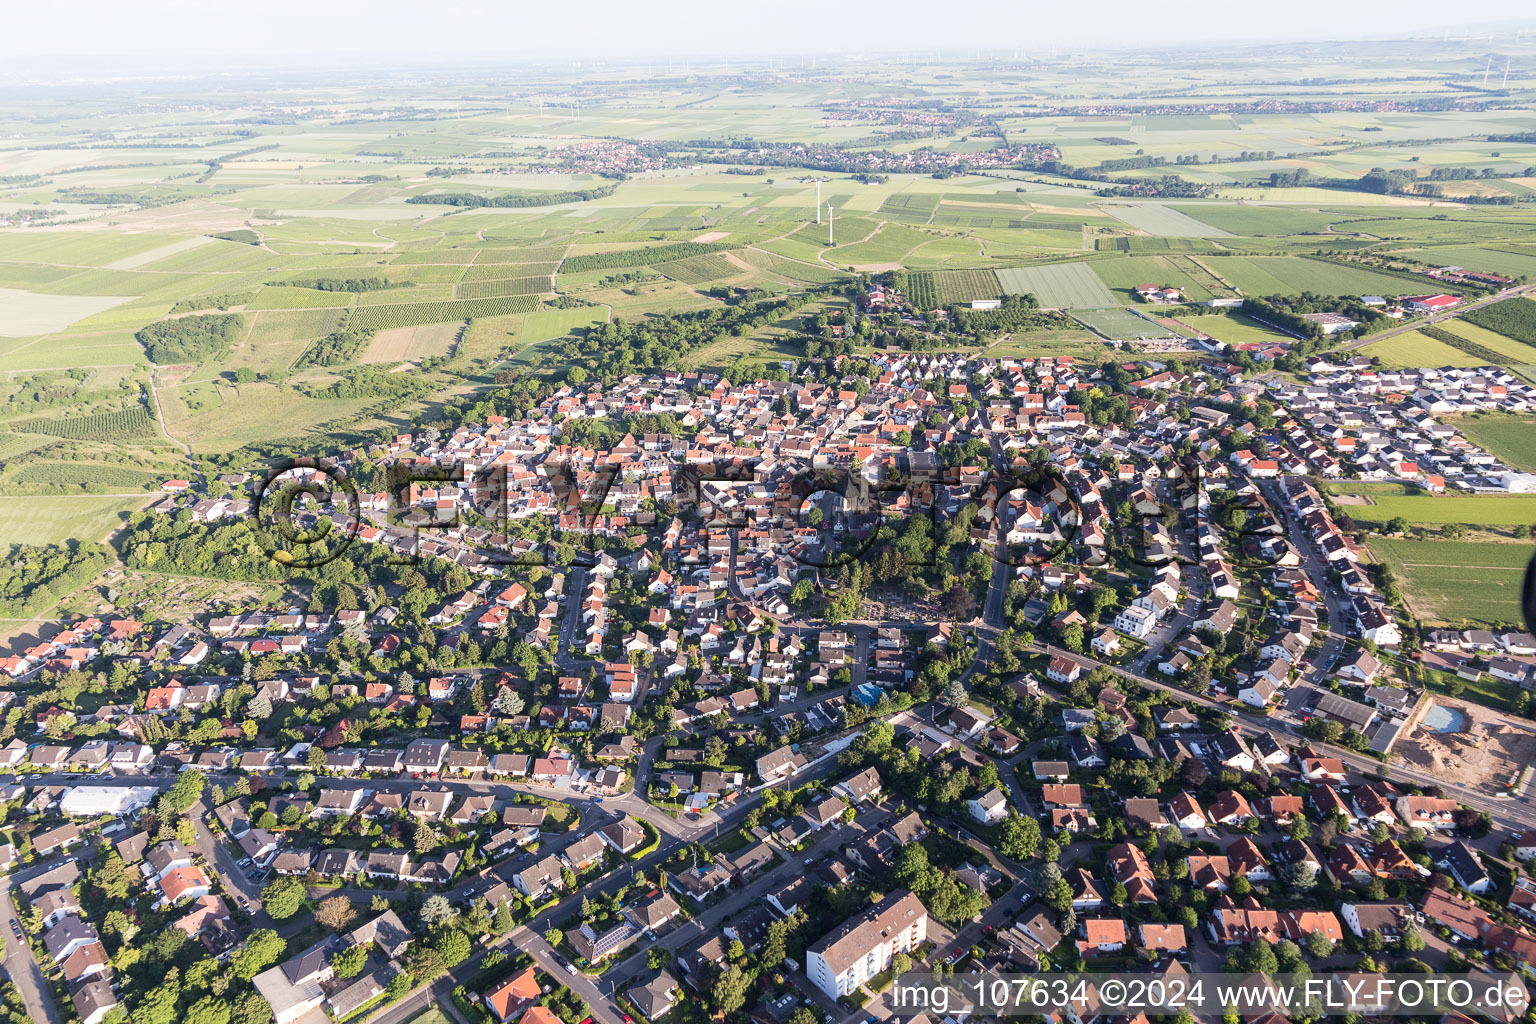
(1486, 752)
(389, 346)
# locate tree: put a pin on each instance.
(1299, 876)
(336, 913)
(349, 962)
(263, 948)
(1257, 956)
(1072, 637)
(282, 898)
(1059, 896)
(554, 936)
(730, 990)
(1412, 940)
(453, 946)
(1323, 729)
(658, 958)
(954, 696)
(503, 918)
(507, 702)
(398, 986)
(112, 878)
(186, 790)
(437, 911)
(158, 1006)
(1471, 823)
(207, 1010)
(1018, 837)
(804, 1015)
(1319, 945)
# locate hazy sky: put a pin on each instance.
(264, 31)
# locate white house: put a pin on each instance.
(989, 807)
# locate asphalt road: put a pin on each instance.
(21, 967)
(1414, 325)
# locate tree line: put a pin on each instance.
(515, 200)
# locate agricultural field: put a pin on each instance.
(338, 224)
(504, 286)
(723, 353)
(24, 314)
(1058, 285)
(1415, 348)
(400, 344)
(410, 314)
(54, 519)
(964, 285)
(698, 270)
(1422, 508)
(1125, 273)
(1513, 318)
(1288, 275)
(102, 426)
(1510, 437)
(86, 476)
(1454, 581)
(1163, 221)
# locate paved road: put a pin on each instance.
(570, 622)
(1318, 665)
(528, 937)
(1414, 325)
(21, 968)
(1518, 812)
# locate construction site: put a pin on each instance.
(1467, 744)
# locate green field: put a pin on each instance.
(1287, 275)
(1236, 329)
(1120, 324)
(1510, 437)
(1058, 285)
(1452, 581)
(1439, 509)
(1159, 220)
(48, 520)
(964, 285)
(1415, 349)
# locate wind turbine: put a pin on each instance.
(1487, 68)
(818, 200)
(831, 225)
(1505, 84)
